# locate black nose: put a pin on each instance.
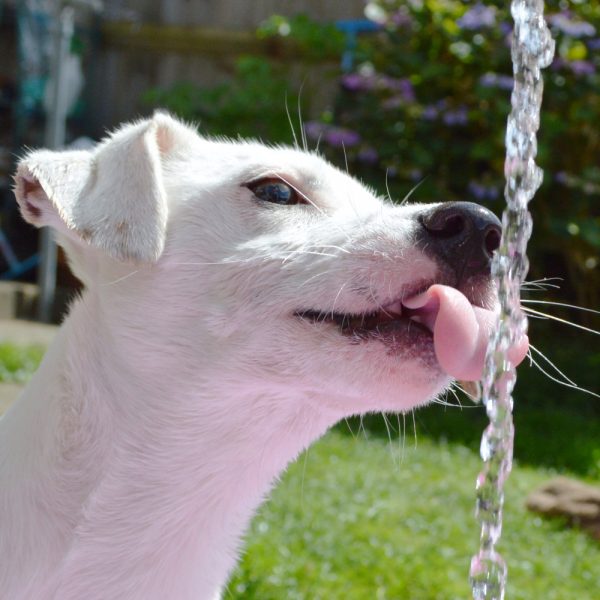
(463, 234)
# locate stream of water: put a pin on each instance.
(532, 49)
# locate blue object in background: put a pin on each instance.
(352, 27)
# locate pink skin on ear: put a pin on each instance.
(30, 187)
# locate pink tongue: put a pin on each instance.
(460, 331)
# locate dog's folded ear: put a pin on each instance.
(112, 198)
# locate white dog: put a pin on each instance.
(239, 300)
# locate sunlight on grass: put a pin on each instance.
(349, 522)
(18, 363)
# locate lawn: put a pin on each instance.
(17, 363)
(362, 518)
(370, 514)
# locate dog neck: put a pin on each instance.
(147, 477)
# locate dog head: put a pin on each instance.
(269, 267)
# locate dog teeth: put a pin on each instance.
(393, 309)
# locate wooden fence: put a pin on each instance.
(147, 44)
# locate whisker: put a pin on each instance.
(391, 444)
(387, 186)
(319, 209)
(558, 319)
(345, 157)
(301, 252)
(591, 310)
(318, 143)
(336, 299)
(287, 112)
(354, 435)
(540, 353)
(537, 285)
(530, 316)
(471, 389)
(572, 386)
(115, 281)
(361, 426)
(315, 276)
(413, 190)
(401, 436)
(414, 421)
(299, 108)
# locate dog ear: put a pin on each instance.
(112, 198)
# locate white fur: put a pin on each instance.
(181, 384)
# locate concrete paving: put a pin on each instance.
(26, 333)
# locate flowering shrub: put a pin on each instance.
(428, 105)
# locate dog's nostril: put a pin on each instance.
(444, 225)
(492, 241)
(463, 234)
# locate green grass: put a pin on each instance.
(17, 363)
(350, 521)
(361, 517)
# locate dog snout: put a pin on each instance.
(463, 234)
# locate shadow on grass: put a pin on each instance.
(556, 427)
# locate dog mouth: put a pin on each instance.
(376, 323)
(438, 324)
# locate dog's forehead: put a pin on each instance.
(241, 162)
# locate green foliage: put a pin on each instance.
(255, 102)
(315, 41)
(17, 363)
(251, 105)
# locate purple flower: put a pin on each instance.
(393, 102)
(483, 192)
(577, 29)
(493, 192)
(355, 82)
(430, 113)
(458, 116)
(401, 18)
(476, 189)
(594, 44)
(339, 137)
(407, 90)
(582, 67)
(478, 17)
(503, 82)
(405, 93)
(368, 155)
(404, 86)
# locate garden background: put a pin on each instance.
(414, 104)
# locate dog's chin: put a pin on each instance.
(388, 366)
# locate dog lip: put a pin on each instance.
(379, 322)
(392, 323)
(367, 321)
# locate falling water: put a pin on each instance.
(532, 49)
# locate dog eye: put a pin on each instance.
(274, 190)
